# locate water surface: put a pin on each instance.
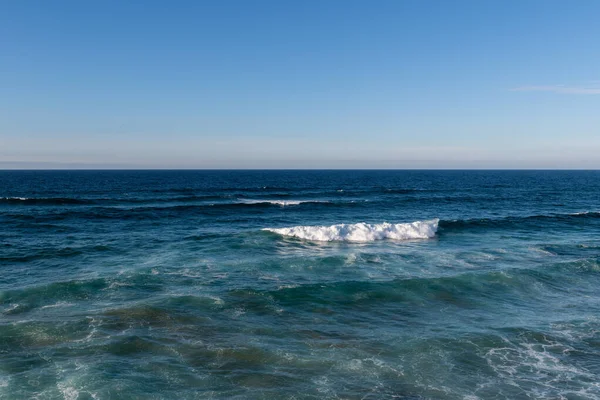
(165, 284)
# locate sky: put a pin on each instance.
(300, 84)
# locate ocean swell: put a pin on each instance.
(520, 221)
(361, 232)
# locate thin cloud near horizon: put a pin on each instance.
(562, 89)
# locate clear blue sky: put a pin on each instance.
(300, 84)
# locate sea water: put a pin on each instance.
(299, 284)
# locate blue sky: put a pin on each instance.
(300, 84)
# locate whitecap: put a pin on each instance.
(362, 232)
(282, 203)
(59, 304)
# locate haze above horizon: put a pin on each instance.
(311, 84)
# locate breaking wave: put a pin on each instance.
(361, 232)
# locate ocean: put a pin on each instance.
(300, 284)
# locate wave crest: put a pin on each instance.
(281, 203)
(42, 200)
(361, 232)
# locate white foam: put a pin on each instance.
(68, 392)
(282, 203)
(11, 308)
(15, 198)
(59, 304)
(547, 374)
(361, 232)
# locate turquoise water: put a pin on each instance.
(185, 284)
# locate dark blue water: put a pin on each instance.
(164, 284)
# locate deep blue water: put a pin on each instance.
(163, 284)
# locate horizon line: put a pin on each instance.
(300, 169)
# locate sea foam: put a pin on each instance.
(361, 232)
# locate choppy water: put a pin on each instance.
(165, 284)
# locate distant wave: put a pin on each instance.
(235, 205)
(256, 189)
(142, 201)
(361, 232)
(282, 203)
(42, 200)
(518, 220)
